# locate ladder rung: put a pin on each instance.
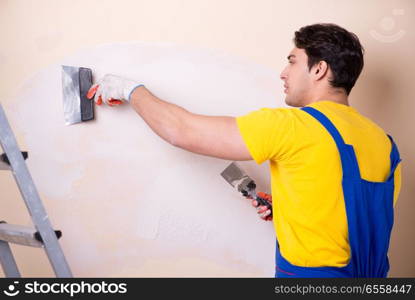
(5, 163)
(22, 235)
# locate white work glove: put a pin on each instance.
(112, 90)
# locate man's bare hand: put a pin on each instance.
(263, 211)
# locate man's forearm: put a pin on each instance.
(164, 118)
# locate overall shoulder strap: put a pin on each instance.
(394, 157)
(348, 157)
(327, 124)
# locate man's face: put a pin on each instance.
(297, 79)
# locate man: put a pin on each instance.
(335, 173)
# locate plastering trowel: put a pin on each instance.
(238, 179)
(76, 82)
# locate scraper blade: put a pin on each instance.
(244, 184)
(75, 85)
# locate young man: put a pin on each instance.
(335, 173)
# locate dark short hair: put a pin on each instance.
(339, 48)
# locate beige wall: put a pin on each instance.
(36, 34)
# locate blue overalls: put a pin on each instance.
(369, 209)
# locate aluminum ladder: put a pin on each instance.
(42, 235)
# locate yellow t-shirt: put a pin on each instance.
(306, 175)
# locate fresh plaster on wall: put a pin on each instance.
(125, 198)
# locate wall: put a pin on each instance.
(128, 203)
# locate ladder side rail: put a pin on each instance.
(31, 197)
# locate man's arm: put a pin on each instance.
(207, 135)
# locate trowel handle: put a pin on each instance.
(260, 200)
(264, 202)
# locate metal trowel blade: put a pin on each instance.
(75, 84)
(233, 174)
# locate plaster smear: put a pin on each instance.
(130, 198)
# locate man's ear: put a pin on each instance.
(320, 70)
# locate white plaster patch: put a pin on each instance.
(116, 163)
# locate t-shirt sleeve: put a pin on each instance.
(267, 133)
(397, 182)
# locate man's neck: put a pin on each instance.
(340, 98)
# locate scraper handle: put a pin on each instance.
(261, 200)
(85, 82)
(264, 202)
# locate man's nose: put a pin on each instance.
(283, 75)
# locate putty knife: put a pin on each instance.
(76, 82)
(238, 179)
